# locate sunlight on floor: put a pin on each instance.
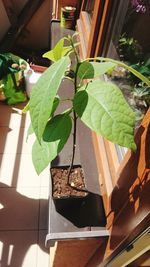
(23, 195)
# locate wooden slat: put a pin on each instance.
(113, 160)
(105, 178)
(86, 25)
(102, 28)
(97, 14)
(83, 46)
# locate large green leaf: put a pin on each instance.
(58, 51)
(89, 70)
(30, 131)
(102, 107)
(55, 54)
(55, 105)
(55, 136)
(43, 94)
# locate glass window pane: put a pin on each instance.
(89, 8)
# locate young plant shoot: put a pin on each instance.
(99, 104)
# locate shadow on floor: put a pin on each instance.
(20, 227)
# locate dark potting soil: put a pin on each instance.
(61, 188)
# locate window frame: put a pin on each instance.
(95, 39)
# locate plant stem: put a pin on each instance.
(74, 113)
(74, 145)
(73, 154)
(74, 49)
(74, 120)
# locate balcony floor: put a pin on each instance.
(23, 195)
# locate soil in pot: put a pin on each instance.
(61, 187)
(79, 206)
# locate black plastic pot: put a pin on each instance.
(82, 211)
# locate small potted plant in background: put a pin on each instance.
(12, 82)
(137, 92)
(99, 104)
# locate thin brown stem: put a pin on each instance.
(74, 114)
(73, 155)
(74, 145)
(74, 121)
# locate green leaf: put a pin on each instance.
(40, 156)
(43, 94)
(17, 97)
(66, 50)
(58, 51)
(29, 132)
(102, 107)
(8, 88)
(55, 54)
(55, 136)
(12, 96)
(49, 55)
(6, 61)
(89, 70)
(55, 105)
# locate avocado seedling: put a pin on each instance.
(99, 104)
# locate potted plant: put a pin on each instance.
(136, 91)
(12, 83)
(100, 105)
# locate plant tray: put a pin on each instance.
(77, 217)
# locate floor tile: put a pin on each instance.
(11, 140)
(42, 251)
(18, 171)
(45, 177)
(20, 210)
(13, 116)
(44, 201)
(23, 195)
(14, 140)
(7, 170)
(18, 248)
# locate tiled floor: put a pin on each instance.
(23, 195)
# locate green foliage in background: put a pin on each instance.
(11, 77)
